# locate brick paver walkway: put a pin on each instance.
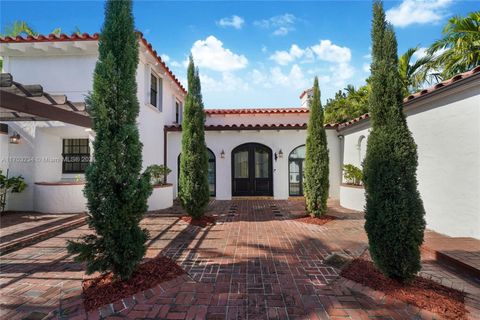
(255, 263)
(17, 225)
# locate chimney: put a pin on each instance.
(305, 97)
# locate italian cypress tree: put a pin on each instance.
(116, 190)
(194, 192)
(394, 210)
(316, 159)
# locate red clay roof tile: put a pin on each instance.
(421, 93)
(256, 111)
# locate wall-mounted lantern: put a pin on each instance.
(279, 155)
(15, 138)
(222, 154)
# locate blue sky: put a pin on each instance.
(257, 54)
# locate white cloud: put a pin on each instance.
(211, 54)
(233, 21)
(330, 52)
(165, 57)
(341, 73)
(227, 82)
(175, 64)
(264, 49)
(418, 12)
(281, 24)
(420, 53)
(285, 57)
(366, 67)
(325, 50)
(294, 79)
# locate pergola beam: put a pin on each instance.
(21, 104)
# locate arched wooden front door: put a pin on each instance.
(252, 173)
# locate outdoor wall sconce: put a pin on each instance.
(279, 155)
(15, 138)
(222, 154)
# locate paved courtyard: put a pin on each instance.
(257, 262)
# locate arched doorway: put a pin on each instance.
(296, 164)
(252, 173)
(212, 175)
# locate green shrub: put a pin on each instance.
(13, 184)
(158, 174)
(352, 174)
(394, 211)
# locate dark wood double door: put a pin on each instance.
(252, 173)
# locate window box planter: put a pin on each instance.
(352, 196)
(161, 197)
(59, 197)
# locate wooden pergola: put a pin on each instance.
(20, 102)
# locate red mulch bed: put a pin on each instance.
(313, 220)
(423, 293)
(202, 222)
(104, 290)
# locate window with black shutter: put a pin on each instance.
(153, 90)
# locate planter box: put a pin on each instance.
(352, 197)
(59, 197)
(161, 197)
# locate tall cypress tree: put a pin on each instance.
(316, 159)
(116, 191)
(194, 193)
(394, 210)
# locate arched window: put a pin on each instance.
(296, 164)
(211, 173)
(362, 149)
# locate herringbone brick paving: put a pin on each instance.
(255, 263)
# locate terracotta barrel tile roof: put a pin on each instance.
(88, 37)
(226, 127)
(422, 93)
(51, 37)
(256, 111)
(443, 84)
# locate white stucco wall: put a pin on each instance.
(446, 128)
(4, 145)
(161, 198)
(67, 68)
(59, 198)
(286, 140)
(352, 197)
(253, 119)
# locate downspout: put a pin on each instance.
(165, 152)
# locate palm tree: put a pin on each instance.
(22, 28)
(459, 49)
(415, 74)
(19, 28)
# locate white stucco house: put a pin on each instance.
(252, 152)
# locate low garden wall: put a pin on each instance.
(59, 197)
(161, 197)
(67, 197)
(352, 197)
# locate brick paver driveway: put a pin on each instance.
(255, 263)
